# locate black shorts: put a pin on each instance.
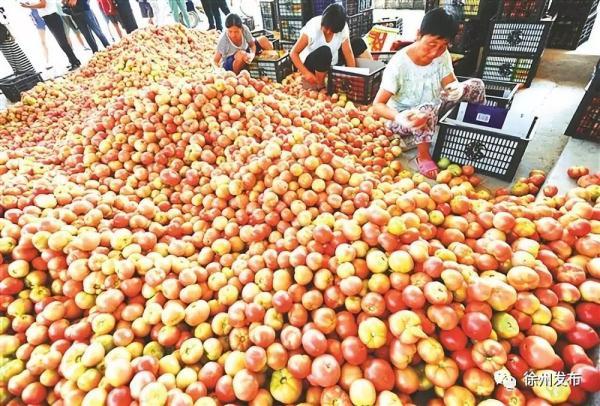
(146, 9)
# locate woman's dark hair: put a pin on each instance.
(233, 20)
(439, 23)
(334, 17)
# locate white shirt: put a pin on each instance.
(49, 9)
(412, 84)
(316, 39)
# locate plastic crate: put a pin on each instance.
(497, 94)
(269, 13)
(509, 68)
(318, 6)
(491, 151)
(12, 86)
(462, 9)
(360, 88)
(418, 5)
(286, 45)
(586, 121)
(467, 38)
(356, 6)
(521, 10)
(573, 9)
(294, 10)
(275, 66)
(383, 56)
(519, 37)
(290, 29)
(399, 4)
(569, 34)
(360, 24)
(391, 23)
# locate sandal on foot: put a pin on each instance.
(426, 167)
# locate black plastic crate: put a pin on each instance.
(461, 9)
(360, 24)
(573, 9)
(275, 67)
(586, 121)
(286, 45)
(491, 151)
(290, 29)
(521, 10)
(527, 38)
(383, 56)
(467, 38)
(294, 10)
(509, 68)
(391, 23)
(269, 13)
(358, 87)
(12, 86)
(569, 34)
(497, 94)
(418, 5)
(399, 4)
(355, 6)
(318, 6)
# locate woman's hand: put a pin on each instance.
(453, 91)
(249, 57)
(310, 78)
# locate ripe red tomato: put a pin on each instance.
(588, 313)
(476, 325)
(575, 354)
(354, 351)
(464, 359)
(583, 335)
(590, 377)
(454, 339)
(379, 372)
(516, 365)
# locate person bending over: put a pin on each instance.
(237, 47)
(419, 84)
(325, 41)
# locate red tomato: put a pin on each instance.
(476, 325)
(454, 339)
(516, 365)
(588, 313)
(464, 359)
(354, 351)
(379, 372)
(583, 335)
(590, 377)
(575, 354)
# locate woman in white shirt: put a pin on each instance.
(325, 41)
(47, 10)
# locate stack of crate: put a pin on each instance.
(517, 38)
(292, 15)
(574, 22)
(472, 17)
(270, 14)
(586, 121)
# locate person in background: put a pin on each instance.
(216, 6)
(207, 6)
(70, 27)
(325, 41)
(146, 10)
(40, 27)
(178, 7)
(237, 47)
(86, 21)
(419, 83)
(126, 15)
(46, 10)
(13, 53)
(109, 11)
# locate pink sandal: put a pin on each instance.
(426, 167)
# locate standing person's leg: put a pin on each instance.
(70, 26)
(126, 15)
(183, 9)
(81, 21)
(222, 5)
(209, 15)
(54, 24)
(15, 56)
(114, 20)
(214, 9)
(42, 35)
(91, 21)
